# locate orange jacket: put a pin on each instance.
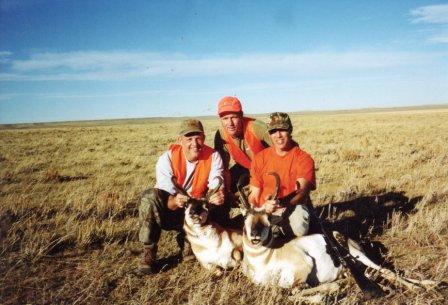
(200, 176)
(253, 142)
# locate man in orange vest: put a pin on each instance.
(196, 168)
(292, 165)
(238, 140)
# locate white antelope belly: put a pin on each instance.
(281, 273)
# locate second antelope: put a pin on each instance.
(305, 260)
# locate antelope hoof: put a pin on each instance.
(217, 272)
(237, 255)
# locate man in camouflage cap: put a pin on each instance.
(196, 168)
(292, 165)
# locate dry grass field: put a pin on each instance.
(69, 194)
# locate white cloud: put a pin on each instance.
(127, 94)
(437, 14)
(441, 37)
(121, 65)
(84, 60)
(5, 53)
(436, 17)
(5, 56)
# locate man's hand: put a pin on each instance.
(217, 198)
(180, 200)
(177, 201)
(271, 205)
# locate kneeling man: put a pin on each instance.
(287, 214)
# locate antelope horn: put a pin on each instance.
(245, 201)
(243, 197)
(178, 188)
(213, 191)
(277, 185)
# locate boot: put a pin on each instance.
(148, 259)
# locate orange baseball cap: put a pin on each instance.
(229, 104)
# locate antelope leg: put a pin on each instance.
(327, 288)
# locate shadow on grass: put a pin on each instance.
(53, 176)
(71, 178)
(167, 263)
(365, 217)
(162, 265)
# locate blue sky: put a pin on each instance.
(79, 60)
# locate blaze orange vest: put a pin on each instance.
(200, 176)
(251, 139)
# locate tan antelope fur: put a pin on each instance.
(215, 248)
(304, 260)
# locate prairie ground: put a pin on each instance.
(69, 195)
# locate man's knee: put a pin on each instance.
(147, 204)
(299, 221)
(149, 216)
(151, 205)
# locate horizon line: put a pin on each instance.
(20, 125)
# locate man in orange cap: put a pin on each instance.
(238, 140)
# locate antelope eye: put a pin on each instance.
(197, 209)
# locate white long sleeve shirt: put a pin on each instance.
(164, 172)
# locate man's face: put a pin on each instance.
(233, 124)
(192, 145)
(281, 138)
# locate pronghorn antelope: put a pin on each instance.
(304, 260)
(215, 248)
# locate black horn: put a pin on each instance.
(213, 191)
(243, 198)
(178, 188)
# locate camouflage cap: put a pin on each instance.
(190, 126)
(279, 120)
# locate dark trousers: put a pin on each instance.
(154, 216)
(236, 172)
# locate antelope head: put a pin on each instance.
(256, 222)
(197, 209)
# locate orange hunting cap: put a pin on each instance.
(229, 104)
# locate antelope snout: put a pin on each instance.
(255, 234)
